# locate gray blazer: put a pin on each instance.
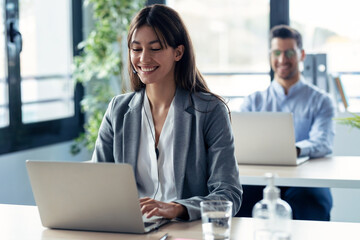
(204, 163)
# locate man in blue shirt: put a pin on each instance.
(312, 110)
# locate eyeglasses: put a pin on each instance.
(289, 54)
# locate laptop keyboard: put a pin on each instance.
(148, 224)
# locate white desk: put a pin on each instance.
(23, 222)
(333, 172)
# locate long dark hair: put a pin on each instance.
(171, 31)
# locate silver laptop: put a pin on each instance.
(266, 138)
(88, 196)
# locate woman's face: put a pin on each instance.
(152, 63)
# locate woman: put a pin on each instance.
(173, 131)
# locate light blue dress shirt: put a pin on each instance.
(312, 110)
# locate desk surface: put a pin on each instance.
(336, 172)
(23, 222)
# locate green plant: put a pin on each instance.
(101, 65)
(350, 121)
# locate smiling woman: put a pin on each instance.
(154, 61)
(173, 131)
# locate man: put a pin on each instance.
(312, 111)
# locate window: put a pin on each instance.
(45, 60)
(4, 112)
(39, 102)
(230, 42)
(331, 27)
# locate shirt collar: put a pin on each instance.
(279, 90)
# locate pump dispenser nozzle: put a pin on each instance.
(271, 192)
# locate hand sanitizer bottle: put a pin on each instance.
(272, 215)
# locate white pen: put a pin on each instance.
(164, 237)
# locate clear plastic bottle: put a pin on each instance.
(272, 215)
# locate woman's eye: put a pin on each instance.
(156, 49)
(136, 49)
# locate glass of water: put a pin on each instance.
(216, 219)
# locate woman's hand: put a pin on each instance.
(152, 207)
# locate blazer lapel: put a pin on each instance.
(131, 128)
(182, 134)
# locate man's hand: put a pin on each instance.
(152, 207)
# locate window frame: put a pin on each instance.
(279, 14)
(19, 136)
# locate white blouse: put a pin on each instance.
(155, 177)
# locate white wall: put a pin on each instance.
(14, 183)
(346, 201)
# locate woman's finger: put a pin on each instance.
(153, 212)
(145, 199)
(146, 207)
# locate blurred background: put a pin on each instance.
(40, 113)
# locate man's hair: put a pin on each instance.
(284, 31)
